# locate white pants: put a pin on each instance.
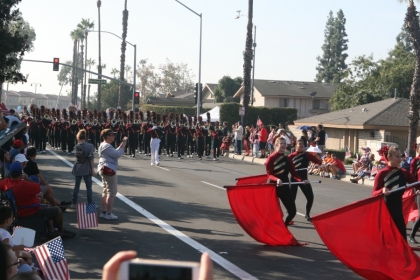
(154, 150)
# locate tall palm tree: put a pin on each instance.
(413, 28)
(114, 71)
(123, 47)
(98, 4)
(75, 35)
(248, 55)
(89, 63)
(85, 25)
(127, 69)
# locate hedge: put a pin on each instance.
(189, 111)
(230, 112)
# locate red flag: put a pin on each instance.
(86, 215)
(252, 180)
(52, 260)
(410, 210)
(363, 236)
(348, 152)
(257, 210)
(259, 122)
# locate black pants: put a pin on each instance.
(307, 192)
(288, 201)
(200, 146)
(207, 146)
(170, 144)
(132, 139)
(180, 142)
(417, 223)
(63, 137)
(216, 148)
(146, 143)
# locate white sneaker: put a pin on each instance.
(157, 163)
(188, 156)
(191, 156)
(151, 164)
(111, 216)
(215, 159)
(102, 215)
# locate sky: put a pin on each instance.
(289, 35)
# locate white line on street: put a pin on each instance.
(213, 185)
(162, 168)
(232, 268)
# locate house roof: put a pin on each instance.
(11, 92)
(26, 93)
(291, 88)
(171, 101)
(382, 114)
(211, 87)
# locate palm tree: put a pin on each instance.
(114, 71)
(248, 55)
(413, 28)
(123, 47)
(89, 63)
(98, 4)
(127, 69)
(85, 25)
(75, 35)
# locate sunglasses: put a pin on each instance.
(16, 263)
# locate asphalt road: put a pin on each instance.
(180, 209)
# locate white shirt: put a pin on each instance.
(239, 132)
(4, 234)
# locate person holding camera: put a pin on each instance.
(107, 168)
(239, 131)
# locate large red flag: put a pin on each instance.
(257, 210)
(363, 236)
(410, 210)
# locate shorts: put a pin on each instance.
(109, 184)
(49, 213)
(262, 145)
(341, 172)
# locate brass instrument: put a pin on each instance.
(136, 122)
(85, 122)
(73, 122)
(46, 117)
(95, 122)
(114, 122)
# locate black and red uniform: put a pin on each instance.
(217, 142)
(393, 178)
(301, 161)
(146, 139)
(414, 170)
(199, 136)
(181, 133)
(279, 166)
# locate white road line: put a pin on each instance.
(232, 268)
(213, 185)
(162, 168)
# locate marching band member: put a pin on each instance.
(278, 167)
(200, 140)
(301, 161)
(154, 145)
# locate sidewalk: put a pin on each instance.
(344, 178)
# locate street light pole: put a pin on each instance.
(199, 60)
(253, 65)
(36, 85)
(135, 65)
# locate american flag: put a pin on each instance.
(52, 260)
(348, 153)
(259, 122)
(86, 215)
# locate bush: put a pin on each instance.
(189, 111)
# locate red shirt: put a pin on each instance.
(263, 135)
(339, 165)
(25, 194)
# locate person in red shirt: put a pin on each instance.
(27, 201)
(390, 178)
(336, 167)
(278, 167)
(415, 171)
(262, 136)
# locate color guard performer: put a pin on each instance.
(278, 167)
(154, 145)
(301, 161)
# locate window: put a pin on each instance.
(284, 102)
(316, 104)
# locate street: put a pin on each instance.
(180, 209)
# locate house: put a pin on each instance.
(11, 99)
(384, 121)
(309, 98)
(54, 101)
(14, 99)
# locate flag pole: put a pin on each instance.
(405, 187)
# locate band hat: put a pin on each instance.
(20, 158)
(15, 168)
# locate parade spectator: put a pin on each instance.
(304, 137)
(364, 170)
(16, 149)
(326, 161)
(283, 134)
(225, 129)
(27, 201)
(262, 137)
(83, 167)
(359, 163)
(270, 138)
(255, 143)
(247, 135)
(239, 131)
(107, 168)
(336, 167)
(320, 139)
(5, 162)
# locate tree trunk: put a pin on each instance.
(84, 87)
(82, 97)
(123, 47)
(413, 29)
(99, 59)
(73, 75)
(248, 60)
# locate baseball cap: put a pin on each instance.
(18, 143)
(20, 158)
(15, 168)
(34, 178)
(367, 149)
(107, 132)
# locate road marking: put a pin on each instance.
(232, 268)
(213, 185)
(162, 168)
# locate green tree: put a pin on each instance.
(226, 88)
(76, 35)
(248, 55)
(89, 63)
(114, 72)
(413, 28)
(13, 45)
(332, 64)
(64, 76)
(84, 25)
(110, 95)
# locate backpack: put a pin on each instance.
(80, 155)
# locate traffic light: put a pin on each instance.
(201, 92)
(195, 93)
(136, 98)
(56, 64)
